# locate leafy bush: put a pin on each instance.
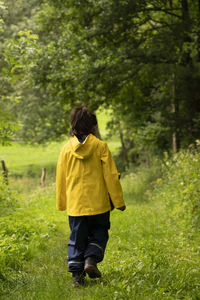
(8, 198)
(180, 187)
(20, 236)
(22, 231)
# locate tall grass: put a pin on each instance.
(150, 255)
(139, 185)
(180, 186)
(153, 250)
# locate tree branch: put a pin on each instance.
(166, 10)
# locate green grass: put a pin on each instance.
(152, 252)
(149, 256)
(22, 159)
(25, 163)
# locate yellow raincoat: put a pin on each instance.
(86, 173)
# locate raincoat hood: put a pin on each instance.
(83, 150)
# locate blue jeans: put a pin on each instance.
(88, 237)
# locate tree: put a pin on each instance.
(16, 43)
(140, 57)
(7, 125)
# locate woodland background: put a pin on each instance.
(141, 59)
(137, 65)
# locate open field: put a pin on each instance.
(26, 161)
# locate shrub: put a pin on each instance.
(180, 188)
(22, 231)
(8, 198)
(20, 236)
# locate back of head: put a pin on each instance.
(82, 121)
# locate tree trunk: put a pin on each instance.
(174, 134)
(175, 110)
(185, 10)
(124, 150)
(174, 105)
(198, 31)
(186, 57)
(171, 4)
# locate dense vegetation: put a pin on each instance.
(153, 251)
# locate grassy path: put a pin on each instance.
(149, 256)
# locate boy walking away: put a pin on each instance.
(86, 176)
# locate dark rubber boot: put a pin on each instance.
(91, 268)
(79, 279)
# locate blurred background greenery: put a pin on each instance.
(140, 61)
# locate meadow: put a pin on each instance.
(153, 250)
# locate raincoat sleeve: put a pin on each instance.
(111, 178)
(61, 182)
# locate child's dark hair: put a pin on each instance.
(82, 121)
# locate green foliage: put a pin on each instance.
(149, 255)
(8, 126)
(179, 188)
(142, 81)
(152, 253)
(8, 198)
(2, 8)
(17, 46)
(140, 58)
(19, 237)
(138, 185)
(23, 231)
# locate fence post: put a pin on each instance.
(4, 171)
(43, 177)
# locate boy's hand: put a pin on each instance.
(122, 208)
